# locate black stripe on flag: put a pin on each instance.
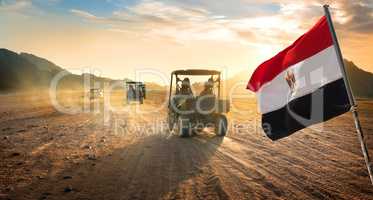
(285, 121)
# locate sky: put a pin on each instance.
(121, 37)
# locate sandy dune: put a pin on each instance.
(46, 154)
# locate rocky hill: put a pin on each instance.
(26, 71)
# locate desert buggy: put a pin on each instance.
(189, 113)
(136, 91)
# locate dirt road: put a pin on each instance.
(46, 154)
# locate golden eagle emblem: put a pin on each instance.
(290, 79)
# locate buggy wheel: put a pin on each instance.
(198, 128)
(221, 125)
(171, 119)
(183, 127)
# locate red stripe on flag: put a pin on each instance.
(309, 44)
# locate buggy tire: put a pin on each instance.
(183, 127)
(171, 120)
(221, 125)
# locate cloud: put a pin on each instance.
(188, 23)
(19, 7)
(84, 14)
(153, 17)
(15, 6)
(349, 15)
(112, 20)
(190, 20)
(355, 15)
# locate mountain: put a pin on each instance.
(41, 63)
(16, 72)
(361, 80)
(25, 71)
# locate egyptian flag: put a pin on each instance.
(300, 86)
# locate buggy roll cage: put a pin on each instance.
(137, 84)
(193, 72)
(134, 82)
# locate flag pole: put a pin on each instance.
(350, 95)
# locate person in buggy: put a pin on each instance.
(185, 99)
(206, 99)
(208, 89)
(186, 88)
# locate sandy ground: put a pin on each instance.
(46, 154)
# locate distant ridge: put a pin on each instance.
(41, 63)
(25, 71)
(361, 81)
